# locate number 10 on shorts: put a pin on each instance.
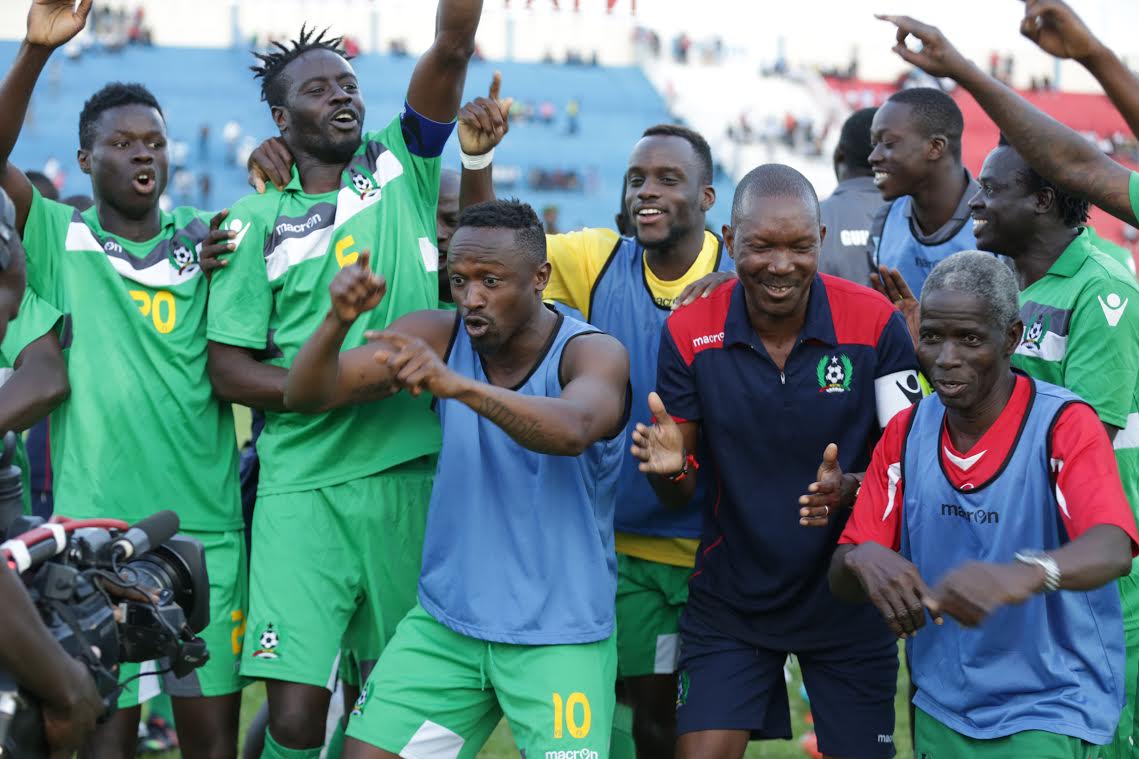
(566, 714)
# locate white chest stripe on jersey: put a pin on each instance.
(349, 202)
(1052, 347)
(160, 274)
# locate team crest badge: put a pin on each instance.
(358, 707)
(363, 184)
(267, 643)
(1034, 333)
(834, 373)
(184, 258)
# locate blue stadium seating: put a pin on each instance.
(197, 86)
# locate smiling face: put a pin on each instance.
(902, 155)
(775, 243)
(665, 191)
(323, 115)
(1005, 212)
(960, 351)
(496, 286)
(128, 161)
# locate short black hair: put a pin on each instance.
(774, 180)
(1073, 210)
(694, 138)
(510, 214)
(854, 139)
(935, 113)
(274, 86)
(113, 95)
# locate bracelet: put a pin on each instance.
(476, 162)
(690, 464)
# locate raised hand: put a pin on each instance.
(892, 284)
(1057, 30)
(356, 289)
(659, 448)
(52, 23)
(271, 162)
(483, 122)
(975, 590)
(894, 585)
(415, 365)
(827, 494)
(218, 242)
(937, 56)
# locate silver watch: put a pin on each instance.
(1045, 562)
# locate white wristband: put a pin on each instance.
(476, 162)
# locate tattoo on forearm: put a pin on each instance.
(371, 391)
(527, 433)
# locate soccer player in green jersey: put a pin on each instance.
(142, 429)
(341, 508)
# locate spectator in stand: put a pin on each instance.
(848, 212)
(550, 219)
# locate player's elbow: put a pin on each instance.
(302, 400)
(56, 388)
(224, 372)
(454, 47)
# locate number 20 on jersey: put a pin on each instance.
(159, 307)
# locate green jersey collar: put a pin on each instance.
(1073, 257)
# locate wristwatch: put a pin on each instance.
(1045, 562)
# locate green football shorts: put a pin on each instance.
(933, 740)
(436, 693)
(332, 567)
(1122, 745)
(229, 592)
(650, 599)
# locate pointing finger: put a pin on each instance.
(495, 85)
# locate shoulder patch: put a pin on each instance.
(699, 326)
(859, 313)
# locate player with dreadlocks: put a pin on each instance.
(342, 499)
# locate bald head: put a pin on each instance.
(772, 180)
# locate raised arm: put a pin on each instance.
(1057, 30)
(1059, 153)
(483, 123)
(38, 385)
(51, 23)
(436, 87)
(666, 451)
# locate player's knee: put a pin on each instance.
(296, 725)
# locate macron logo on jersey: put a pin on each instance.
(285, 227)
(705, 341)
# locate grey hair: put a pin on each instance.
(980, 274)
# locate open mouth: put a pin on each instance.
(949, 388)
(649, 215)
(881, 177)
(979, 226)
(345, 119)
(476, 327)
(144, 182)
(778, 291)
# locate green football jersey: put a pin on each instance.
(142, 430)
(1116, 251)
(36, 318)
(274, 294)
(1081, 331)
